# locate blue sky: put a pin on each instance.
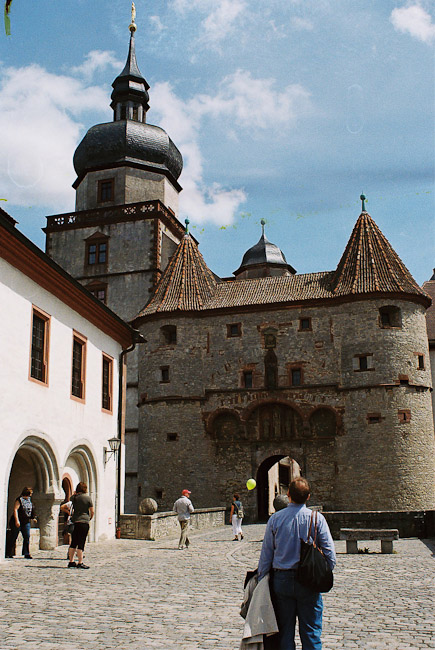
(282, 109)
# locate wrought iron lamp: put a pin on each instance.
(115, 444)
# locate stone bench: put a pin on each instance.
(352, 535)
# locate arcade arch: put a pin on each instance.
(35, 465)
(80, 466)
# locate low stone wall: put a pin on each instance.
(410, 523)
(165, 524)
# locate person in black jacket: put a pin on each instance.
(22, 515)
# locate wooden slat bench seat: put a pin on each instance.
(352, 535)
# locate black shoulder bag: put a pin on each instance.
(314, 571)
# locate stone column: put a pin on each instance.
(47, 509)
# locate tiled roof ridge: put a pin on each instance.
(370, 264)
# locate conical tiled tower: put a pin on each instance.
(370, 265)
(186, 284)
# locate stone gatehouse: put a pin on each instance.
(329, 369)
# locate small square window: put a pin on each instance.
(373, 418)
(404, 416)
(96, 252)
(296, 376)
(421, 362)
(363, 365)
(305, 324)
(106, 190)
(159, 493)
(164, 374)
(247, 379)
(234, 329)
(172, 437)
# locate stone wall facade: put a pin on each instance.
(363, 436)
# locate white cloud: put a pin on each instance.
(39, 130)
(42, 115)
(97, 60)
(415, 20)
(302, 24)
(245, 102)
(157, 24)
(254, 102)
(220, 17)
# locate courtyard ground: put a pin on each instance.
(140, 595)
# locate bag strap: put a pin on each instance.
(313, 515)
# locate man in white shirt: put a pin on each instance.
(183, 507)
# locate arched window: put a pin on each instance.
(390, 316)
(226, 426)
(168, 335)
(270, 370)
(274, 422)
(323, 423)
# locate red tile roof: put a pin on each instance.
(187, 283)
(368, 266)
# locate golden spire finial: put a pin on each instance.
(132, 27)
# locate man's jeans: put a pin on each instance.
(184, 540)
(292, 600)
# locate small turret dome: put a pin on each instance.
(263, 260)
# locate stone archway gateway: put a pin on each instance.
(273, 477)
(35, 465)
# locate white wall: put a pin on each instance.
(49, 413)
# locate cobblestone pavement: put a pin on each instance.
(140, 595)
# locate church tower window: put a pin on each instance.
(106, 190)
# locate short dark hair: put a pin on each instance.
(26, 491)
(236, 496)
(81, 488)
(299, 490)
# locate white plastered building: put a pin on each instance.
(59, 390)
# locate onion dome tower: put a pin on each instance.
(263, 260)
(143, 162)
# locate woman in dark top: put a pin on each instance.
(24, 512)
(82, 513)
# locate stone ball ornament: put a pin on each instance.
(148, 506)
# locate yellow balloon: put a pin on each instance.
(251, 483)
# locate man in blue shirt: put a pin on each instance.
(280, 556)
